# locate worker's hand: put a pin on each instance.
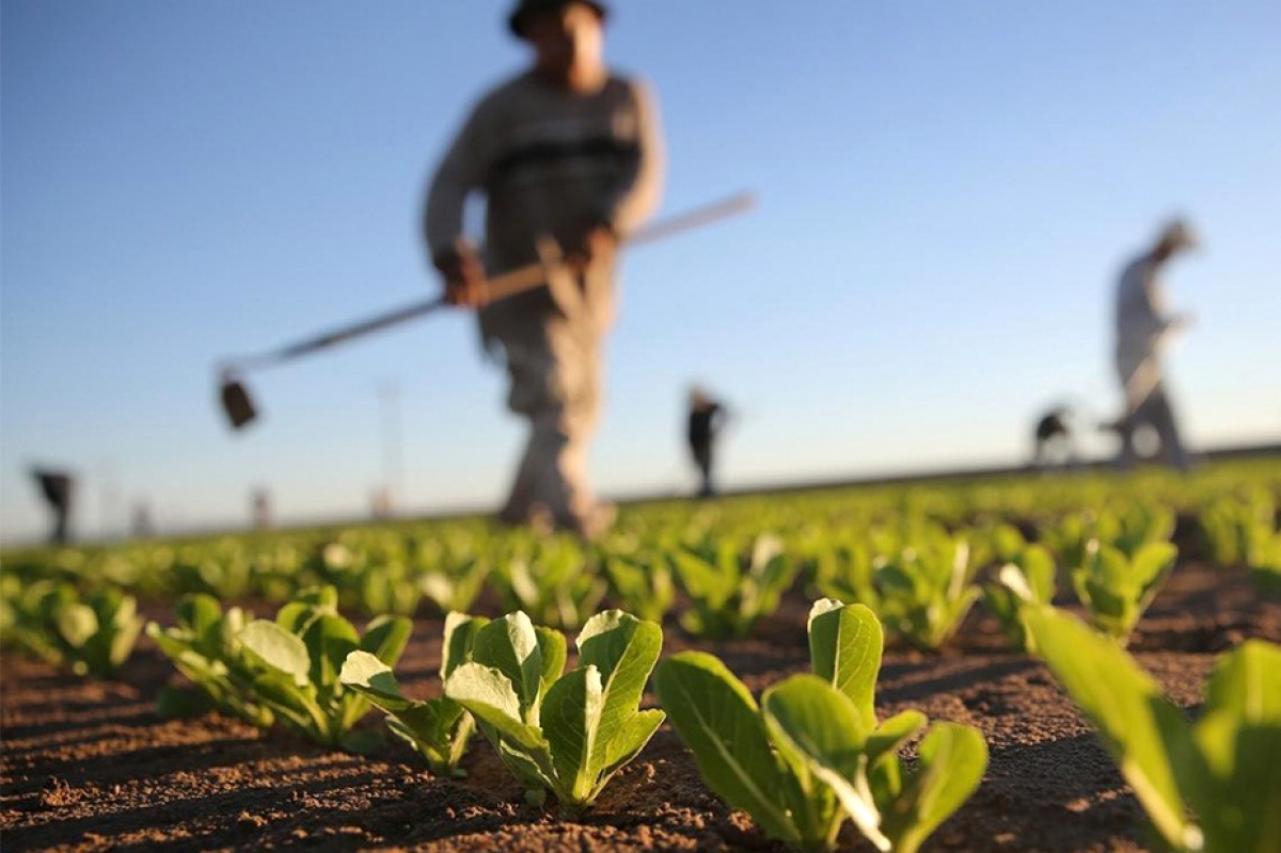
(599, 247)
(464, 277)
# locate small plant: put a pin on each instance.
(1117, 589)
(454, 589)
(1028, 576)
(297, 658)
(1211, 786)
(93, 635)
(204, 646)
(564, 733)
(553, 581)
(438, 728)
(846, 571)
(812, 754)
(726, 596)
(642, 584)
(925, 591)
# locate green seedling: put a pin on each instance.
(568, 733)
(1210, 786)
(93, 635)
(1117, 589)
(1029, 576)
(726, 596)
(438, 728)
(297, 658)
(925, 591)
(642, 584)
(204, 646)
(813, 754)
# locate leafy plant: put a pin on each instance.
(1210, 786)
(297, 658)
(438, 728)
(1116, 589)
(1028, 576)
(90, 636)
(454, 589)
(554, 582)
(925, 591)
(846, 570)
(642, 584)
(813, 754)
(726, 595)
(564, 733)
(205, 647)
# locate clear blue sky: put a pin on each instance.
(947, 192)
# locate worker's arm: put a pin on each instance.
(638, 194)
(460, 173)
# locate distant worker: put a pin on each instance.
(570, 151)
(57, 487)
(1143, 328)
(1052, 439)
(260, 509)
(706, 418)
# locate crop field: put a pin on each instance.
(1076, 661)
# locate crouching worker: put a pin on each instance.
(566, 151)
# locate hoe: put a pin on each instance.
(238, 404)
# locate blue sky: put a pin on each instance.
(947, 191)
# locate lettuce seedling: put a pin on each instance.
(642, 584)
(846, 571)
(813, 754)
(727, 597)
(93, 635)
(1117, 589)
(454, 589)
(438, 728)
(296, 661)
(204, 646)
(564, 733)
(550, 580)
(925, 591)
(1029, 575)
(1209, 786)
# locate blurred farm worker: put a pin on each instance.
(56, 487)
(568, 151)
(706, 417)
(1143, 328)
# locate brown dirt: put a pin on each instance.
(89, 765)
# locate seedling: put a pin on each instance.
(1028, 576)
(812, 754)
(1210, 786)
(90, 636)
(564, 733)
(726, 596)
(438, 728)
(296, 660)
(1116, 589)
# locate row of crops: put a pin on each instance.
(811, 754)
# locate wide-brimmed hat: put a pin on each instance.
(524, 8)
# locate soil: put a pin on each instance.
(90, 765)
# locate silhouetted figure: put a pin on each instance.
(261, 509)
(141, 525)
(1143, 327)
(570, 151)
(1053, 439)
(706, 417)
(57, 487)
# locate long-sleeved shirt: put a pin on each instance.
(1141, 321)
(549, 162)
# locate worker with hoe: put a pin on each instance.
(568, 155)
(1143, 328)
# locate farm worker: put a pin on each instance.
(56, 487)
(706, 417)
(1143, 327)
(566, 150)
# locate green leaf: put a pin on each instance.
(570, 717)
(275, 648)
(487, 692)
(952, 761)
(1247, 683)
(715, 716)
(552, 650)
(460, 636)
(386, 637)
(628, 741)
(77, 623)
(329, 639)
(1138, 727)
(511, 645)
(373, 679)
(624, 650)
(845, 650)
